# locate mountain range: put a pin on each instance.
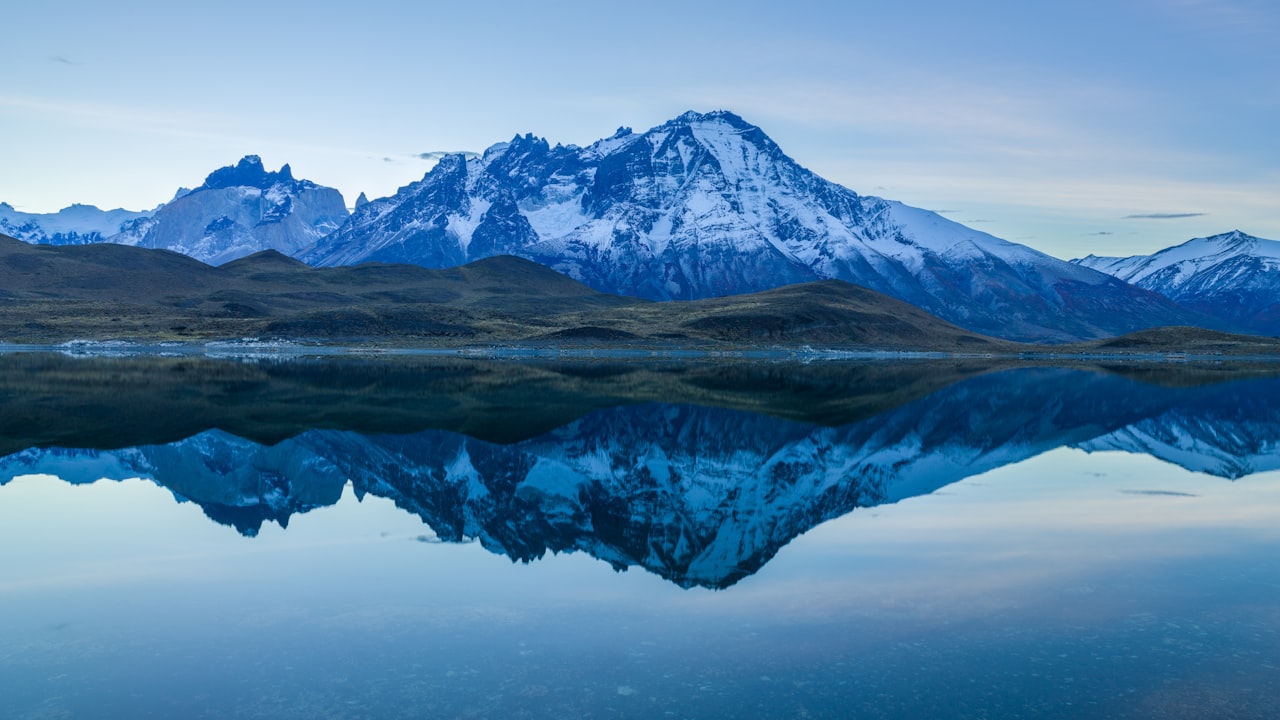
(707, 205)
(698, 495)
(703, 206)
(1233, 276)
(74, 225)
(238, 210)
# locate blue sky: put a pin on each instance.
(1108, 127)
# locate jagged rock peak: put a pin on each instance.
(249, 172)
(693, 116)
(361, 201)
(527, 143)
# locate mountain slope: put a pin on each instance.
(1233, 276)
(707, 205)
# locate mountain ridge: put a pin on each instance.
(1232, 275)
(704, 205)
(708, 205)
(238, 210)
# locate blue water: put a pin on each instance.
(1051, 579)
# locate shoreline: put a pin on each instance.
(283, 348)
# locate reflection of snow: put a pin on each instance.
(701, 496)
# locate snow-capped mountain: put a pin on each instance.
(74, 225)
(707, 205)
(698, 495)
(240, 210)
(1233, 276)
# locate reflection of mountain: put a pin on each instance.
(701, 496)
(1230, 431)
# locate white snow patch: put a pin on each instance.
(464, 226)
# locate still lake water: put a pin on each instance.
(450, 539)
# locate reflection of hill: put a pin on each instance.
(124, 402)
(700, 496)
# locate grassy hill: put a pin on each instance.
(51, 294)
(100, 292)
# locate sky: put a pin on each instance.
(1112, 128)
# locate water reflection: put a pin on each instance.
(581, 459)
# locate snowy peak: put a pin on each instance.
(249, 172)
(1235, 276)
(1178, 264)
(728, 120)
(240, 210)
(707, 205)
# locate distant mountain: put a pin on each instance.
(1233, 276)
(74, 225)
(701, 496)
(707, 205)
(239, 210)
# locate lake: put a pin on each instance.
(271, 537)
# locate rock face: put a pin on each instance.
(1233, 276)
(707, 205)
(240, 210)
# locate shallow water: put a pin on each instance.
(1028, 543)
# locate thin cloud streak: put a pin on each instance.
(192, 126)
(1165, 216)
(1229, 15)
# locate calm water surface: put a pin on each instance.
(271, 540)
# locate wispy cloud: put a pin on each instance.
(1164, 216)
(142, 120)
(64, 60)
(436, 155)
(1236, 16)
(1101, 233)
